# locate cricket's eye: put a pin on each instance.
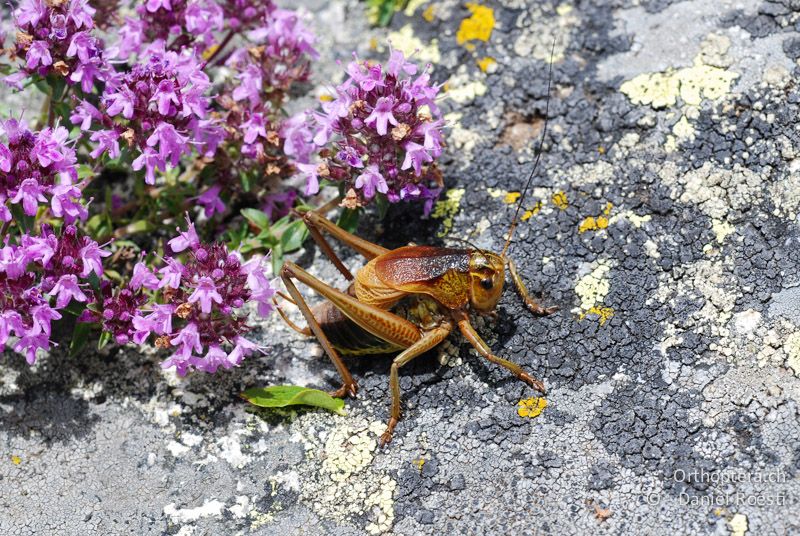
(487, 283)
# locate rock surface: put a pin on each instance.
(663, 223)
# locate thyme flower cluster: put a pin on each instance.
(178, 111)
(380, 134)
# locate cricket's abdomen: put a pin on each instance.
(347, 337)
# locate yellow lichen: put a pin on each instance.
(326, 98)
(535, 209)
(559, 199)
(496, 192)
(531, 407)
(16, 460)
(478, 26)
(596, 223)
(738, 525)
(419, 463)
(447, 209)
(485, 63)
(603, 313)
(429, 13)
(511, 198)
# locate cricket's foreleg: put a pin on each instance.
(475, 340)
(428, 341)
(349, 386)
(522, 290)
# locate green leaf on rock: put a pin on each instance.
(257, 217)
(280, 396)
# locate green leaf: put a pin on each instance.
(383, 205)
(280, 396)
(348, 220)
(80, 336)
(257, 217)
(24, 221)
(105, 338)
(293, 237)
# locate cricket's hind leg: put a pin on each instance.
(428, 341)
(383, 324)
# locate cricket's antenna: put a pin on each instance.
(538, 153)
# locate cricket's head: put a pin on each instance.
(486, 277)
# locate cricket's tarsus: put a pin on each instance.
(406, 300)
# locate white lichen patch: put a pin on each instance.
(462, 138)
(637, 220)
(716, 191)
(540, 30)
(338, 480)
(721, 229)
(462, 88)
(792, 349)
(187, 515)
(738, 525)
(412, 46)
(593, 287)
(691, 84)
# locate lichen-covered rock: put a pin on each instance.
(663, 222)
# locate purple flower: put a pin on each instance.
(83, 46)
(154, 5)
(188, 341)
(91, 255)
(85, 113)
(38, 54)
(382, 115)
(205, 292)
(170, 143)
(214, 358)
(370, 181)
(254, 127)
(185, 239)
(380, 133)
(67, 289)
(143, 277)
(166, 97)
(211, 202)
(397, 63)
(416, 155)
(205, 297)
(298, 138)
(31, 194)
(158, 321)
(49, 145)
(311, 173)
(171, 274)
(121, 101)
(151, 161)
(249, 87)
(30, 12)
